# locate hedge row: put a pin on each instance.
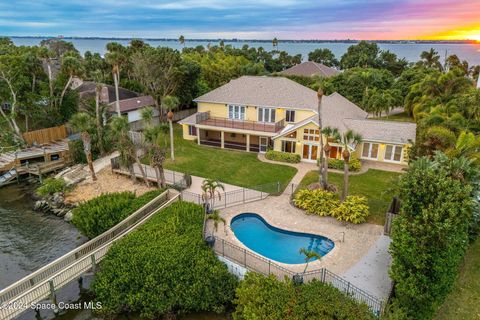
(99, 214)
(354, 164)
(282, 156)
(164, 267)
(260, 297)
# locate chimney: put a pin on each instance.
(104, 98)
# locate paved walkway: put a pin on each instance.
(371, 272)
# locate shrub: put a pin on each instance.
(164, 267)
(282, 156)
(354, 164)
(317, 201)
(51, 186)
(354, 209)
(105, 211)
(430, 235)
(75, 148)
(260, 297)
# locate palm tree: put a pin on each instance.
(309, 256)
(157, 154)
(47, 56)
(128, 150)
(349, 140)
(275, 43)
(115, 57)
(322, 167)
(98, 111)
(211, 188)
(72, 65)
(181, 39)
(216, 218)
(146, 114)
(431, 59)
(329, 133)
(83, 123)
(222, 44)
(468, 146)
(170, 103)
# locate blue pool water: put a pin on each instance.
(274, 243)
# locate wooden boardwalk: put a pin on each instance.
(43, 283)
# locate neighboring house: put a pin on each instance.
(310, 69)
(130, 101)
(131, 107)
(255, 113)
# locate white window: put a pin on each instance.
(311, 134)
(288, 146)
(236, 112)
(393, 153)
(370, 150)
(290, 116)
(266, 115)
(192, 130)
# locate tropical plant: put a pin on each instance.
(330, 134)
(115, 57)
(310, 255)
(430, 59)
(216, 218)
(83, 123)
(275, 43)
(318, 202)
(181, 39)
(211, 189)
(170, 103)
(72, 66)
(282, 156)
(350, 140)
(168, 268)
(353, 209)
(156, 153)
(322, 168)
(50, 186)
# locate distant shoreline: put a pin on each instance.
(254, 40)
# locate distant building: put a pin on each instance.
(131, 107)
(310, 69)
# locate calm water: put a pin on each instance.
(409, 51)
(274, 243)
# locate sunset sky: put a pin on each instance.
(245, 19)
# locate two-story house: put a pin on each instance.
(255, 113)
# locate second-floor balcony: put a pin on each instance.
(204, 118)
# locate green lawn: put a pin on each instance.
(233, 167)
(373, 184)
(464, 300)
(401, 117)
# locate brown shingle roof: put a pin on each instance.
(309, 69)
(133, 103)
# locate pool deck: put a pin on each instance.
(362, 258)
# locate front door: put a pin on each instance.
(263, 144)
(310, 152)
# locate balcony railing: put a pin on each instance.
(204, 118)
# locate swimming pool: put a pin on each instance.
(274, 243)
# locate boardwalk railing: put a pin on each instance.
(227, 199)
(42, 284)
(259, 264)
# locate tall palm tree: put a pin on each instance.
(181, 39)
(115, 58)
(46, 56)
(128, 150)
(309, 256)
(431, 59)
(157, 154)
(71, 65)
(321, 167)
(329, 133)
(83, 123)
(170, 103)
(349, 140)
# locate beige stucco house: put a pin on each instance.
(255, 113)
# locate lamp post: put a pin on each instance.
(170, 119)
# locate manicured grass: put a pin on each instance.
(401, 117)
(373, 184)
(233, 167)
(464, 300)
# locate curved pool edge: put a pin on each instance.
(286, 230)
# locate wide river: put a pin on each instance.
(409, 51)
